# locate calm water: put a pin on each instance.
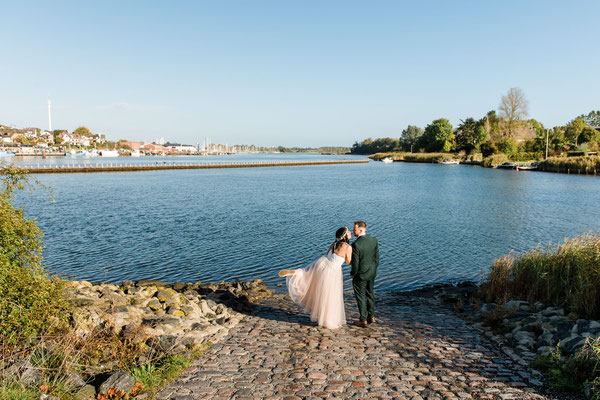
(434, 223)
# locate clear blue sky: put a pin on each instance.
(292, 73)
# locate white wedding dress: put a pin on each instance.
(319, 288)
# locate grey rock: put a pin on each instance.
(44, 396)
(164, 295)
(179, 286)
(120, 380)
(32, 377)
(572, 344)
(75, 381)
(88, 392)
(150, 282)
(516, 304)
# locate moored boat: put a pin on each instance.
(387, 160)
(6, 154)
(108, 153)
(450, 161)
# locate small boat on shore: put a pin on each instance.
(450, 161)
(507, 165)
(528, 167)
(387, 160)
(108, 153)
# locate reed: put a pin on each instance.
(494, 160)
(572, 165)
(566, 274)
(413, 157)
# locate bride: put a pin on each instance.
(319, 287)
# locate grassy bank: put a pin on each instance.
(567, 274)
(572, 165)
(413, 157)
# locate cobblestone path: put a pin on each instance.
(418, 349)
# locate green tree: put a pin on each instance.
(31, 302)
(470, 134)
(592, 118)
(574, 129)
(589, 134)
(437, 136)
(83, 131)
(491, 123)
(410, 137)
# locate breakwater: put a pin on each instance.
(129, 167)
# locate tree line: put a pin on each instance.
(507, 132)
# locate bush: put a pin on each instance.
(488, 149)
(567, 275)
(576, 153)
(496, 159)
(31, 301)
(526, 156)
(507, 146)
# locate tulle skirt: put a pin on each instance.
(319, 289)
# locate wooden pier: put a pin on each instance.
(129, 167)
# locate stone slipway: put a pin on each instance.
(419, 349)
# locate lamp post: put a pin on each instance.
(547, 133)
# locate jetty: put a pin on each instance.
(159, 166)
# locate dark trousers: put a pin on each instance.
(365, 298)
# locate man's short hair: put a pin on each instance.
(361, 224)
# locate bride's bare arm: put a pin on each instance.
(348, 254)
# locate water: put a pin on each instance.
(434, 223)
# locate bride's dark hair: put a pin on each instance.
(341, 236)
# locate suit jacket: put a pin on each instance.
(365, 257)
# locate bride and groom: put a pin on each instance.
(319, 288)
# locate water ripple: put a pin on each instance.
(434, 223)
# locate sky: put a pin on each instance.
(291, 73)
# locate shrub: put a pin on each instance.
(495, 159)
(31, 301)
(567, 274)
(507, 146)
(488, 149)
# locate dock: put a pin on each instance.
(130, 167)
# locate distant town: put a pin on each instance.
(82, 142)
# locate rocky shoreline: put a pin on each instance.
(169, 319)
(183, 317)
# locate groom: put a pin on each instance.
(365, 259)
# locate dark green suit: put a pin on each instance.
(365, 259)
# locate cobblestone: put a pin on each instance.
(418, 349)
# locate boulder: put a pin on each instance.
(88, 392)
(151, 282)
(32, 377)
(119, 380)
(571, 344)
(74, 381)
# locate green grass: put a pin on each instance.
(413, 157)
(574, 165)
(567, 274)
(154, 375)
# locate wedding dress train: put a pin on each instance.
(319, 289)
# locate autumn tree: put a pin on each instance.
(513, 107)
(83, 131)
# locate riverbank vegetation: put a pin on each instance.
(506, 132)
(40, 350)
(567, 276)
